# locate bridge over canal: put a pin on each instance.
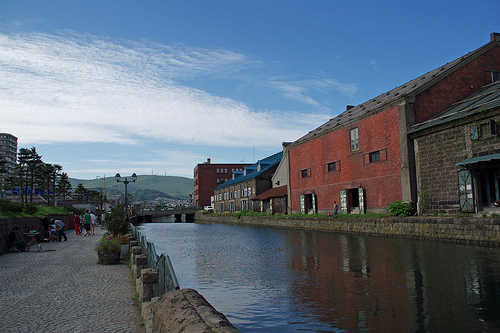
(167, 215)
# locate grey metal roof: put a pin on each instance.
(485, 99)
(479, 159)
(409, 88)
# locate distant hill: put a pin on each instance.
(145, 187)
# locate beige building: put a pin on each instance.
(236, 194)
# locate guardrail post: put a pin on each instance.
(148, 284)
(141, 262)
(135, 251)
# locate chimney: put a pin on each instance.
(208, 161)
(495, 36)
(348, 107)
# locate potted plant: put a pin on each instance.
(124, 243)
(108, 250)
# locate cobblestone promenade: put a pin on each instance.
(64, 289)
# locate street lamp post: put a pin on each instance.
(126, 182)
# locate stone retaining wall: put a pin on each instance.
(25, 224)
(482, 231)
(176, 311)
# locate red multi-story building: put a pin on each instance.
(363, 159)
(208, 176)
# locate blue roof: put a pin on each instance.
(253, 171)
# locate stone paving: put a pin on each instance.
(64, 289)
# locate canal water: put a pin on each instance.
(284, 280)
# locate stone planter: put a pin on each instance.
(109, 258)
(124, 252)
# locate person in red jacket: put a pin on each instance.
(77, 224)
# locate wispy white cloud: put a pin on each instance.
(80, 88)
(301, 90)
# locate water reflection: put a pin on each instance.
(281, 280)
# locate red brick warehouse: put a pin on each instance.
(363, 158)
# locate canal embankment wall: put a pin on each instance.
(175, 309)
(479, 231)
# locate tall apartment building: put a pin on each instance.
(208, 176)
(8, 153)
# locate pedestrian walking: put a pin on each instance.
(335, 209)
(92, 222)
(86, 223)
(77, 224)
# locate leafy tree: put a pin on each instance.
(48, 176)
(22, 172)
(31, 172)
(115, 222)
(80, 192)
(3, 170)
(64, 185)
(94, 196)
(33, 164)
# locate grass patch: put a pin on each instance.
(40, 211)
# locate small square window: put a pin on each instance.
(332, 166)
(304, 173)
(375, 156)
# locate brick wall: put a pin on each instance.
(457, 86)
(25, 224)
(381, 180)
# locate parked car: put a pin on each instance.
(208, 208)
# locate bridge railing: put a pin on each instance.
(167, 281)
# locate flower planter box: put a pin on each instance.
(124, 252)
(109, 258)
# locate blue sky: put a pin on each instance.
(156, 87)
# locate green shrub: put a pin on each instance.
(30, 208)
(247, 212)
(7, 206)
(115, 222)
(400, 208)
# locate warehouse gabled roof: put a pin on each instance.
(485, 99)
(412, 87)
(254, 170)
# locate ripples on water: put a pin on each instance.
(283, 280)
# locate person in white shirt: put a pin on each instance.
(60, 229)
(92, 221)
